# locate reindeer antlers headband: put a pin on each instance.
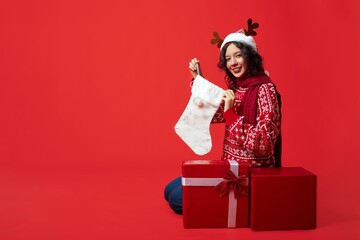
(242, 35)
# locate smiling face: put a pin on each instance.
(235, 61)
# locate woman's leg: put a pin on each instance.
(173, 194)
(175, 200)
(171, 186)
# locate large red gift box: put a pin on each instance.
(209, 199)
(282, 199)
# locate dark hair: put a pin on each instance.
(251, 57)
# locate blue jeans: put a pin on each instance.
(173, 194)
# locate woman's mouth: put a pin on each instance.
(236, 70)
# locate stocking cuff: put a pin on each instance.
(207, 91)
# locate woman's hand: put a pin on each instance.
(193, 68)
(229, 98)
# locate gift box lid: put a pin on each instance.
(209, 168)
(280, 172)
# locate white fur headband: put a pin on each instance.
(239, 37)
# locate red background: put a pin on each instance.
(90, 92)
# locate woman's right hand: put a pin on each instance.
(193, 68)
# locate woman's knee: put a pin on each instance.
(171, 186)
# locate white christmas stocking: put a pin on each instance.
(193, 126)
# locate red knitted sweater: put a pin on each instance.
(253, 144)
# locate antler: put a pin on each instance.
(251, 27)
(217, 40)
(250, 32)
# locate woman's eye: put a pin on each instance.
(227, 59)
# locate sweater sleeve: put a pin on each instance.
(219, 115)
(261, 137)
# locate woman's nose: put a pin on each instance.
(232, 62)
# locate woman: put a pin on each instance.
(250, 110)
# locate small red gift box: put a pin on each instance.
(215, 194)
(282, 199)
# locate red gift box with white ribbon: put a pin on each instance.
(215, 194)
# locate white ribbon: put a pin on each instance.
(209, 182)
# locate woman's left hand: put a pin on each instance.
(229, 98)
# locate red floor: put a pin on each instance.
(120, 204)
